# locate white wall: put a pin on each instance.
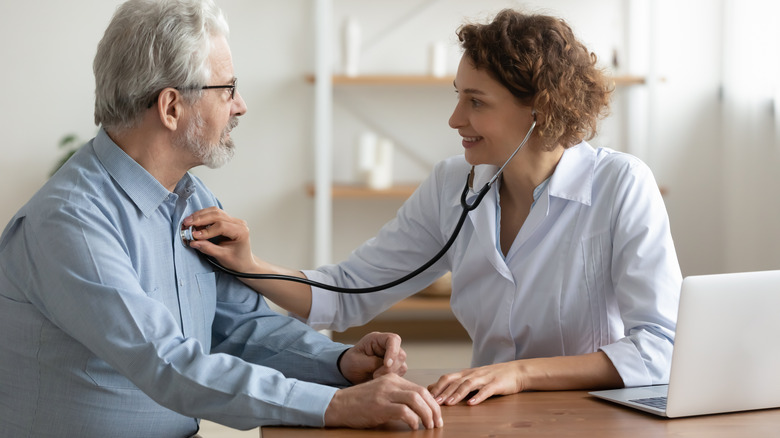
(687, 153)
(48, 92)
(47, 87)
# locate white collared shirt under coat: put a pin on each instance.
(592, 268)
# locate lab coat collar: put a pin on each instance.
(484, 217)
(572, 179)
(481, 174)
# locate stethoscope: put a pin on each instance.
(186, 235)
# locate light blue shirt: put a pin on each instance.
(111, 327)
(593, 266)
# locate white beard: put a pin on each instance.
(211, 155)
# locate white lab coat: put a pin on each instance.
(592, 268)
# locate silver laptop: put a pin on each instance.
(726, 353)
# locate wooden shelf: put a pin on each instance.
(355, 191)
(413, 303)
(434, 80)
(415, 318)
(387, 80)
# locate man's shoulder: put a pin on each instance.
(82, 177)
(82, 184)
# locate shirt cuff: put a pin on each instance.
(307, 402)
(331, 358)
(628, 362)
(324, 304)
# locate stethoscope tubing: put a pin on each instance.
(364, 290)
(187, 235)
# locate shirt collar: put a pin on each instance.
(140, 186)
(572, 179)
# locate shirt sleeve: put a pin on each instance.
(83, 281)
(646, 277)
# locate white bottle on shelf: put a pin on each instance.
(438, 59)
(351, 47)
(382, 174)
(365, 160)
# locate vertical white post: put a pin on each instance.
(323, 133)
(653, 79)
(637, 21)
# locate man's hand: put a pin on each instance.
(376, 354)
(379, 401)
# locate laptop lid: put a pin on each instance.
(726, 355)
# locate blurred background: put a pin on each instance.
(704, 114)
(697, 98)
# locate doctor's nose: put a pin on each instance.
(457, 119)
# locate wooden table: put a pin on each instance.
(555, 414)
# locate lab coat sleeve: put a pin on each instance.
(646, 278)
(419, 230)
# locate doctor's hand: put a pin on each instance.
(383, 400)
(376, 354)
(223, 237)
(498, 379)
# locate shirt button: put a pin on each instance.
(181, 282)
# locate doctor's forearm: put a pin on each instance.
(291, 296)
(588, 371)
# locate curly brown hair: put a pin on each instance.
(540, 61)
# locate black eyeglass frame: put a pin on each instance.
(231, 86)
(206, 87)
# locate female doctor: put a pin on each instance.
(565, 277)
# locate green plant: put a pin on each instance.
(70, 143)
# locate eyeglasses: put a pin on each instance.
(232, 88)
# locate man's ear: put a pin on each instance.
(169, 108)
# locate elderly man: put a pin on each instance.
(110, 325)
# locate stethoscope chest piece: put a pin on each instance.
(186, 235)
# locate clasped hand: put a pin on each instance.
(376, 363)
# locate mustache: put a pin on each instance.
(232, 123)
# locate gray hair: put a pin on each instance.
(148, 46)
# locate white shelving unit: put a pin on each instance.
(323, 132)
